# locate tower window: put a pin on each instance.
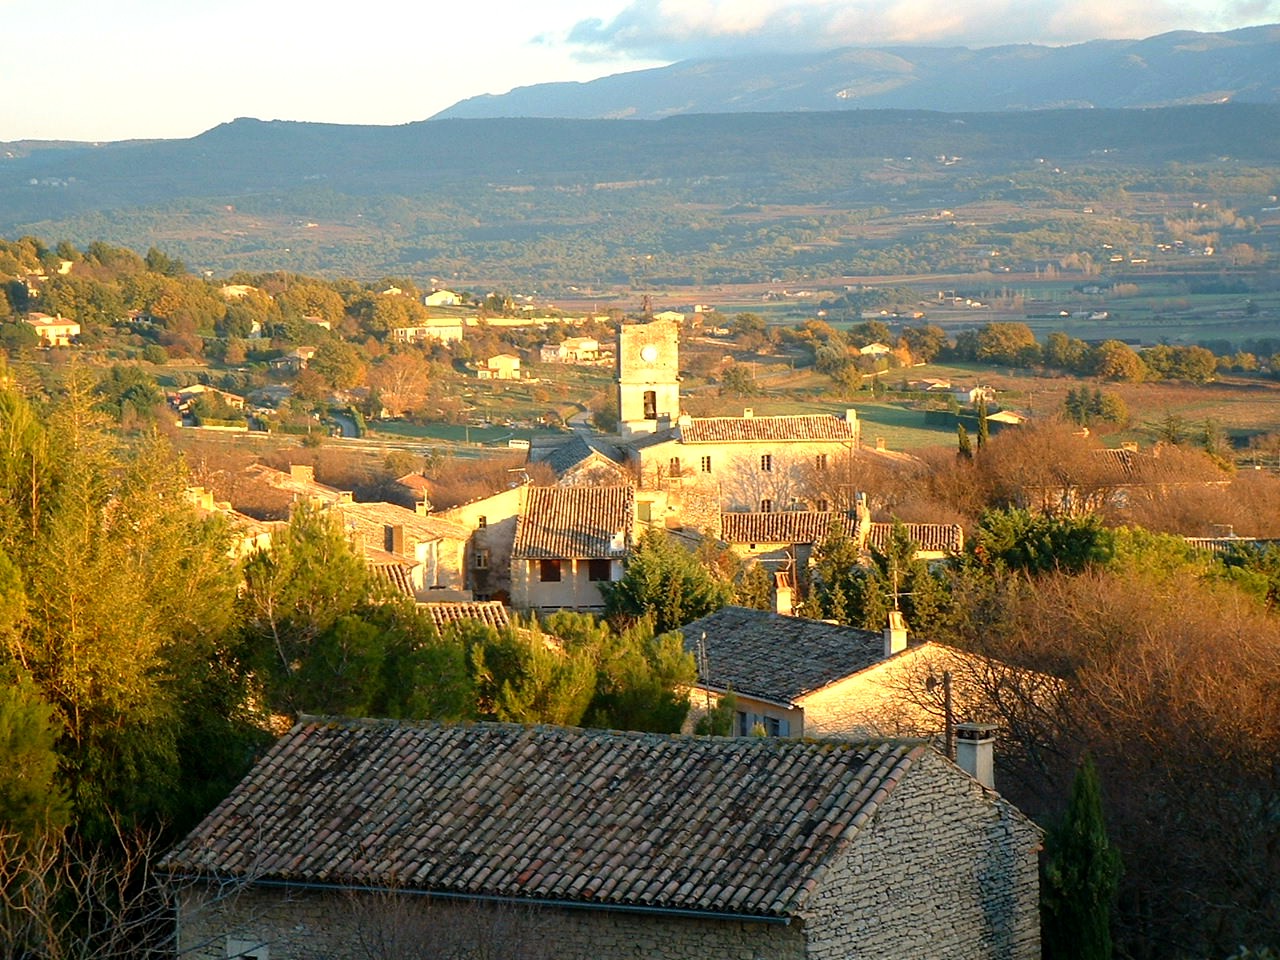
(650, 405)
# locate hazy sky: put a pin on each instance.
(118, 69)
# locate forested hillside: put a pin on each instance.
(702, 199)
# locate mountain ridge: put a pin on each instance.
(1177, 68)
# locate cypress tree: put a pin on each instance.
(1079, 877)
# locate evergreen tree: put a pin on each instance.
(665, 581)
(1079, 877)
(964, 447)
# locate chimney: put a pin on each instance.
(748, 413)
(422, 507)
(882, 444)
(393, 538)
(302, 473)
(895, 634)
(782, 595)
(850, 415)
(862, 514)
(975, 751)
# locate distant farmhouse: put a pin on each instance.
(442, 330)
(571, 350)
(53, 331)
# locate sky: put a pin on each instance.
(102, 70)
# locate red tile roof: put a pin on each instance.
(811, 526)
(575, 523)
(739, 826)
(817, 426)
(492, 613)
(784, 526)
(930, 537)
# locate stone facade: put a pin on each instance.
(492, 522)
(304, 924)
(941, 872)
(648, 377)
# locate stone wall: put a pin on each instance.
(945, 870)
(315, 925)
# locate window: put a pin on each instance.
(824, 506)
(766, 462)
(650, 405)
(549, 571)
(482, 560)
(598, 570)
(706, 464)
(820, 461)
(675, 466)
(766, 506)
(482, 522)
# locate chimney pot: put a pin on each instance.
(975, 751)
(748, 413)
(895, 634)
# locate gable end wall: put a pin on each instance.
(942, 872)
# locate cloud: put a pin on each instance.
(685, 29)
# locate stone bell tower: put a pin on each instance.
(648, 377)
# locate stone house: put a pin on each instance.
(431, 549)
(492, 522)
(606, 844)
(795, 677)
(584, 460)
(753, 463)
(568, 541)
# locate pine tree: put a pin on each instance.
(1079, 877)
(965, 449)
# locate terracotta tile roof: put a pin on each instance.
(818, 426)
(415, 482)
(295, 485)
(811, 526)
(491, 613)
(764, 654)
(740, 826)
(392, 568)
(931, 537)
(581, 523)
(784, 526)
(371, 520)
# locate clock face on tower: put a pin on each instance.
(649, 353)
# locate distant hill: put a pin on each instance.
(733, 197)
(1171, 69)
